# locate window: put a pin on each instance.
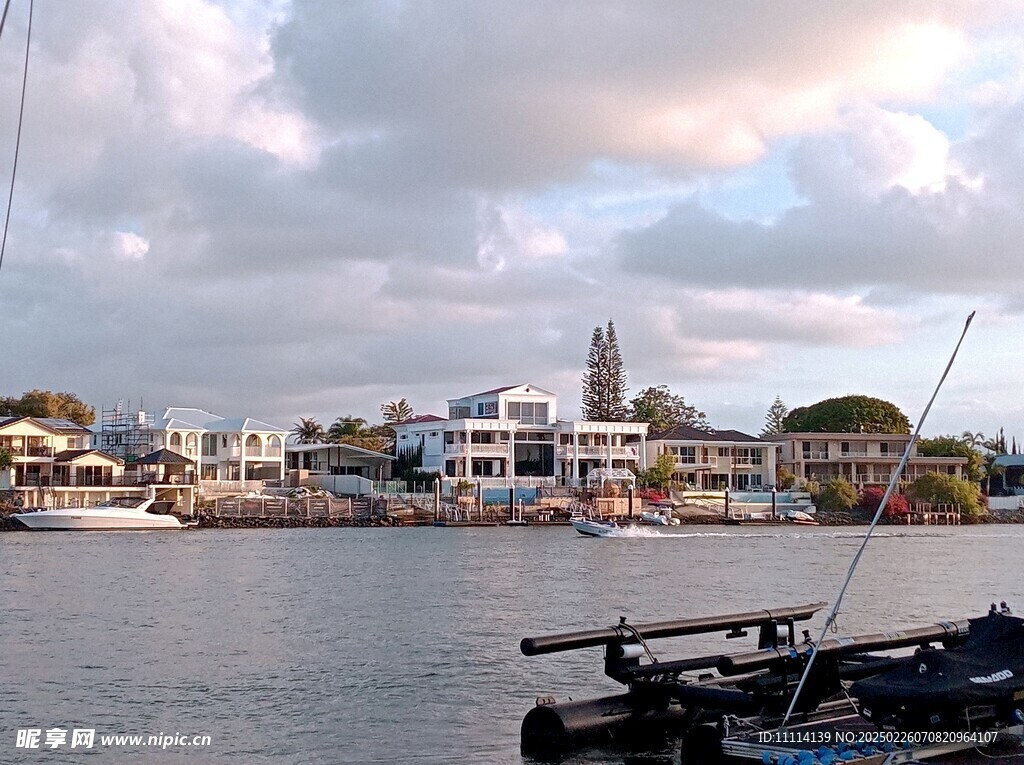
(209, 473)
(210, 445)
(176, 442)
(479, 410)
(528, 412)
(685, 455)
(723, 451)
(458, 412)
(433, 434)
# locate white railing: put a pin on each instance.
(598, 451)
(479, 450)
(820, 454)
(856, 453)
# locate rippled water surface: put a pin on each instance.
(401, 645)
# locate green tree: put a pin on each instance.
(396, 411)
(6, 458)
(308, 431)
(604, 381)
(951, 446)
(996, 444)
(837, 494)
(660, 473)
(664, 410)
(944, 489)
(775, 418)
(45, 403)
(848, 414)
(344, 429)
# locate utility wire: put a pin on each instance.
(830, 621)
(21, 116)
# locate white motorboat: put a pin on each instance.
(119, 513)
(591, 528)
(657, 519)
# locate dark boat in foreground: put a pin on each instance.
(722, 704)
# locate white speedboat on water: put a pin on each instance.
(591, 528)
(117, 514)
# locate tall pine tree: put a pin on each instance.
(604, 382)
(774, 418)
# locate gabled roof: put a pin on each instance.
(62, 425)
(70, 455)
(163, 457)
(182, 418)
(690, 433)
(505, 389)
(53, 424)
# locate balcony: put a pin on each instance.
(747, 462)
(628, 452)
(22, 450)
(479, 450)
(854, 453)
(127, 480)
(816, 454)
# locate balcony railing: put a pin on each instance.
(748, 461)
(479, 450)
(29, 451)
(854, 453)
(566, 451)
(128, 479)
(817, 454)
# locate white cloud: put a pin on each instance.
(129, 246)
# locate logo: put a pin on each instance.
(995, 677)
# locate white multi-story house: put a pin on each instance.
(240, 449)
(509, 434)
(864, 459)
(713, 460)
(54, 465)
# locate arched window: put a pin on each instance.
(191, 442)
(252, 440)
(176, 441)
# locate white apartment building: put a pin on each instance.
(510, 434)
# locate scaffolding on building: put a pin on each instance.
(125, 433)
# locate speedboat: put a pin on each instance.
(800, 518)
(592, 528)
(657, 519)
(119, 513)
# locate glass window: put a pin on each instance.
(513, 410)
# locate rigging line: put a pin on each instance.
(874, 522)
(3, 19)
(17, 140)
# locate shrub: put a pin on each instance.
(784, 479)
(837, 494)
(940, 488)
(871, 497)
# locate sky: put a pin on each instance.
(305, 209)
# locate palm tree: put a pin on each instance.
(308, 431)
(973, 440)
(344, 429)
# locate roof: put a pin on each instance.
(163, 457)
(494, 390)
(422, 418)
(182, 418)
(359, 451)
(70, 455)
(1010, 460)
(690, 433)
(56, 424)
(505, 388)
(62, 424)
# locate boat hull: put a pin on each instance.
(82, 520)
(594, 529)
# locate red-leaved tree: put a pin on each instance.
(871, 497)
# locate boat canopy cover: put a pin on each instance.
(987, 668)
(598, 476)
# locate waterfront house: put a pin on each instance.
(512, 435)
(341, 468)
(864, 459)
(54, 465)
(230, 454)
(712, 460)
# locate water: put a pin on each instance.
(401, 645)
